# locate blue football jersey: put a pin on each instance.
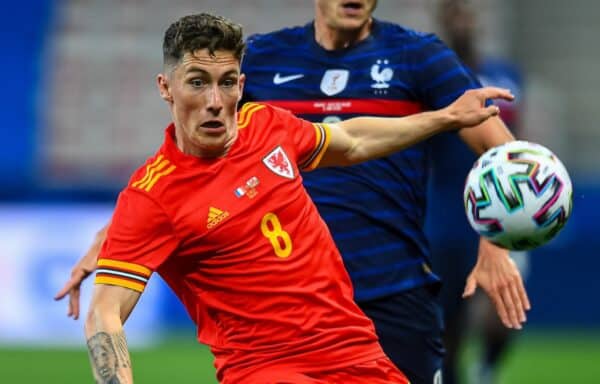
(374, 210)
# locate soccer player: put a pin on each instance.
(453, 241)
(221, 214)
(346, 63)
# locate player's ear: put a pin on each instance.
(163, 87)
(241, 83)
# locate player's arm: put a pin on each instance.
(107, 346)
(495, 271)
(490, 133)
(363, 138)
(84, 267)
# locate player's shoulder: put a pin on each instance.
(252, 112)
(285, 37)
(152, 177)
(403, 34)
(249, 112)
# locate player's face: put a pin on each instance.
(345, 15)
(203, 91)
(459, 24)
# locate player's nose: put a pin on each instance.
(215, 99)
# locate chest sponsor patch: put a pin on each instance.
(334, 81)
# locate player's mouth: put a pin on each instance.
(352, 8)
(214, 126)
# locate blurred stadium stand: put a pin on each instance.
(81, 111)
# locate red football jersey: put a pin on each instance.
(242, 245)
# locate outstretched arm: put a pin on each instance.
(84, 267)
(106, 342)
(364, 138)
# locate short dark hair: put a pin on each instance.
(202, 31)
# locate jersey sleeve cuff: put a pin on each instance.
(122, 274)
(322, 136)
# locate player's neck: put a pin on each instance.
(333, 38)
(207, 153)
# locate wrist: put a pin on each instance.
(445, 120)
(487, 248)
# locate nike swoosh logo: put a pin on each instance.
(278, 79)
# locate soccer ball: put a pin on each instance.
(518, 195)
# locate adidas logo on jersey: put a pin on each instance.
(215, 216)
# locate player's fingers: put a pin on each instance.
(73, 281)
(501, 309)
(74, 303)
(495, 93)
(510, 308)
(516, 297)
(483, 115)
(523, 295)
(77, 277)
(492, 110)
(470, 287)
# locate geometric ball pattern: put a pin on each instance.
(518, 195)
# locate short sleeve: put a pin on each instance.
(140, 238)
(441, 75)
(310, 139)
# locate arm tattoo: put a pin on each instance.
(108, 353)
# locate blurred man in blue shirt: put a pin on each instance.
(454, 243)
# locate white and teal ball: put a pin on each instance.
(519, 195)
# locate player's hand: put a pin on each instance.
(470, 110)
(499, 277)
(84, 267)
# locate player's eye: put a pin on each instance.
(228, 83)
(197, 83)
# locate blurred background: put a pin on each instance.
(81, 111)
